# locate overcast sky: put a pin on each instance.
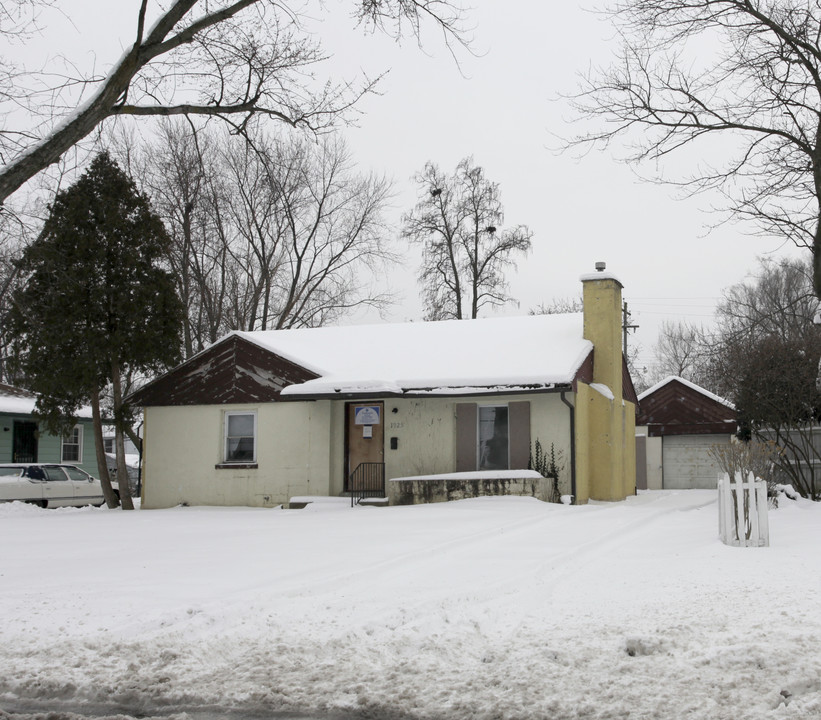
(502, 105)
(505, 109)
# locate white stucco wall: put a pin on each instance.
(425, 429)
(301, 447)
(184, 446)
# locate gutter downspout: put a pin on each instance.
(572, 445)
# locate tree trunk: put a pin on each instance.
(102, 465)
(132, 435)
(122, 470)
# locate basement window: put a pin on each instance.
(240, 437)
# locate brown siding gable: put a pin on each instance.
(233, 370)
(585, 374)
(676, 408)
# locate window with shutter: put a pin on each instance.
(492, 437)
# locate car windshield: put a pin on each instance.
(9, 471)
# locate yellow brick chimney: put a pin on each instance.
(606, 422)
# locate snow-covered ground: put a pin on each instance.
(486, 608)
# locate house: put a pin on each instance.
(22, 440)
(132, 458)
(260, 417)
(679, 422)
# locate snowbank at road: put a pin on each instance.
(485, 608)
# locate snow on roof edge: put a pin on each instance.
(331, 386)
(691, 385)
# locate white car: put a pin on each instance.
(50, 485)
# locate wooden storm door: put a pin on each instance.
(365, 439)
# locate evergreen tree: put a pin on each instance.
(95, 302)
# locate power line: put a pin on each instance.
(659, 312)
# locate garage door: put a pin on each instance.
(686, 461)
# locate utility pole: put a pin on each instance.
(625, 325)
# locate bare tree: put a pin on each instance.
(777, 300)
(764, 356)
(232, 59)
(334, 234)
(747, 71)
(458, 222)
(274, 234)
(9, 282)
(558, 306)
(181, 169)
(309, 230)
(683, 350)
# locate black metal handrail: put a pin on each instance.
(367, 480)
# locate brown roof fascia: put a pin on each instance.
(711, 428)
(232, 371)
(585, 372)
(496, 390)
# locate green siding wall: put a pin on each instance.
(48, 446)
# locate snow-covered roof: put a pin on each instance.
(16, 401)
(437, 357)
(690, 385)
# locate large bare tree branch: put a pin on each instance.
(755, 82)
(233, 59)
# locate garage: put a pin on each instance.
(681, 422)
(686, 461)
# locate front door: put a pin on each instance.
(365, 442)
(24, 442)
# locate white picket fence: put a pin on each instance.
(742, 512)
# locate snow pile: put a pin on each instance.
(485, 608)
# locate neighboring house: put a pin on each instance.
(132, 458)
(679, 422)
(108, 443)
(261, 417)
(22, 440)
